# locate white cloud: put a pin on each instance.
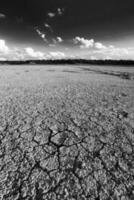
(51, 15)
(42, 35)
(93, 58)
(88, 43)
(31, 53)
(2, 59)
(60, 11)
(111, 52)
(84, 43)
(101, 51)
(107, 58)
(3, 47)
(56, 41)
(99, 45)
(34, 54)
(57, 55)
(47, 26)
(114, 52)
(89, 50)
(92, 49)
(14, 53)
(2, 16)
(59, 39)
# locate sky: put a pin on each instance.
(60, 29)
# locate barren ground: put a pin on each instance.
(66, 132)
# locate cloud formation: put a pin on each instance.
(57, 55)
(84, 43)
(56, 41)
(34, 54)
(14, 53)
(48, 27)
(97, 50)
(42, 35)
(2, 16)
(31, 53)
(99, 45)
(60, 11)
(3, 47)
(59, 39)
(88, 43)
(117, 53)
(51, 14)
(87, 49)
(48, 34)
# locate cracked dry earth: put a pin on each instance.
(71, 138)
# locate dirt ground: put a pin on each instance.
(66, 132)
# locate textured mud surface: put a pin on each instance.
(65, 136)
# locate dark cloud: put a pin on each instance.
(92, 16)
(32, 11)
(71, 17)
(35, 11)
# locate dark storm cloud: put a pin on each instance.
(72, 17)
(94, 16)
(80, 11)
(32, 11)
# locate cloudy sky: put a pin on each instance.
(55, 29)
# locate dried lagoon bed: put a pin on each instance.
(66, 132)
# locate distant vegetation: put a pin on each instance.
(72, 61)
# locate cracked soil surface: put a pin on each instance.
(65, 136)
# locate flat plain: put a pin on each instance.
(66, 132)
